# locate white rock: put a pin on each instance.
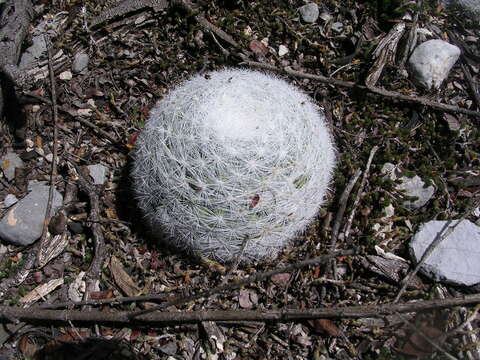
(455, 259)
(66, 75)
(9, 200)
(431, 62)
(282, 50)
(8, 163)
(80, 63)
(415, 187)
(98, 173)
(309, 12)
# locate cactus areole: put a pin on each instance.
(233, 163)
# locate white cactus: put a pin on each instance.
(233, 162)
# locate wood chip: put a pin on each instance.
(41, 291)
(122, 279)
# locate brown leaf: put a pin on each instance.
(255, 200)
(420, 347)
(325, 326)
(122, 279)
(452, 122)
(281, 279)
(27, 346)
(258, 47)
(97, 295)
(247, 298)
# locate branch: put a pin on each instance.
(161, 318)
(375, 90)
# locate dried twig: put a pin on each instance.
(235, 285)
(375, 90)
(348, 225)
(472, 85)
(100, 252)
(442, 235)
(160, 318)
(53, 174)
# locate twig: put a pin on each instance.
(348, 225)
(117, 300)
(77, 118)
(53, 174)
(237, 284)
(472, 85)
(95, 268)
(343, 205)
(375, 90)
(160, 318)
(442, 235)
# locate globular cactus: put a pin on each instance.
(233, 163)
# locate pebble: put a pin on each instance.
(309, 12)
(23, 224)
(98, 173)
(431, 62)
(10, 200)
(282, 50)
(415, 187)
(455, 259)
(80, 63)
(8, 163)
(66, 75)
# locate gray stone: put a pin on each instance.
(8, 163)
(431, 62)
(34, 53)
(470, 7)
(98, 173)
(10, 200)
(455, 259)
(23, 223)
(170, 348)
(80, 63)
(309, 12)
(415, 187)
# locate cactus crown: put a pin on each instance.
(231, 162)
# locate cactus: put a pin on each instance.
(234, 163)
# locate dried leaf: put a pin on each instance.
(258, 47)
(98, 295)
(27, 346)
(418, 346)
(453, 123)
(326, 326)
(247, 298)
(281, 279)
(122, 279)
(255, 200)
(41, 291)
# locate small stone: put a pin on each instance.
(169, 348)
(80, 63)
(98, 173)
(337, 26)
(66, 75)
(9, 163)
(23, 224)
(49, 157)
(325, 16)
(454, 260)
(415, 187)
(9, 200)
(309, 12)
(282, 50)
(431, 62)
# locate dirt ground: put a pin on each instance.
(104, 249)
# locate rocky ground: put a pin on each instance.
(412, 163)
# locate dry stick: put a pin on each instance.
(160, 318)
(53, 174)
(117, 300)
(253, 278)
(471, 84)
(77, 118)
(348, 225)
(441, 235)
(349, 84)
(95, 268)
